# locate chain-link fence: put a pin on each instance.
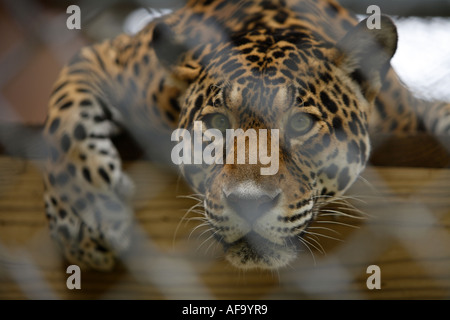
(396, 219)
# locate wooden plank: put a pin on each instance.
(406, 232)
(419, 150)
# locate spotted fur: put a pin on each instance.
(256, 63)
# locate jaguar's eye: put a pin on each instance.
(300, 123)
(217, 121)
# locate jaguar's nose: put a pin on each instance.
(250, 201)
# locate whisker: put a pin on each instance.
(322, 250)
(312, 236)
(200, 212)
(202, 219)
(195, 206)
(323, 235)
(312, 245)
(190, 197)
(210, 245)
(340, 215)
(338, 223)
(341, 198)
(370, 185)
(183, 218)
(345, 199)
(355, 210)
(329, 212)
(206, 240)
(206, 231)
(309, 249)
(346, 205)
(325, 228)
(197, 227)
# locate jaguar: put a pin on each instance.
(309, 69)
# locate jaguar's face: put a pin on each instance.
(302, 108)
(310, 125)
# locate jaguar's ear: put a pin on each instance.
(365, 54)
(172, 50)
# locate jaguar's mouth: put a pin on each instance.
(255, 251)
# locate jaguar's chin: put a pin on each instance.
(253, 251)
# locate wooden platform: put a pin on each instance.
(406, 234)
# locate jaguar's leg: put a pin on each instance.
(86, 192)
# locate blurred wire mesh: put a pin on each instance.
(37, 44)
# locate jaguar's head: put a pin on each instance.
(302, 106)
